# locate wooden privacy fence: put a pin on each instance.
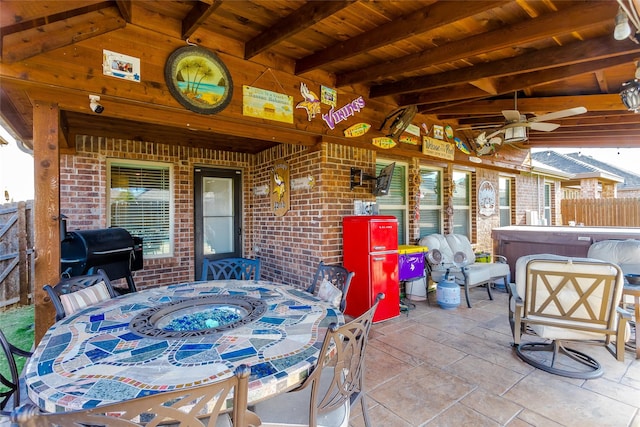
(16, 260)
(623, 212)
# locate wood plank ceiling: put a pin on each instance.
(456, 60)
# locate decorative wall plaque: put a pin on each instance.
(280, 186)
(198, 80)
(486, 199)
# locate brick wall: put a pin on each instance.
(290, 246)
(484, 224)
(83, 189)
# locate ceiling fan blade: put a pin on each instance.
(511, 115)
(559, 114)
(493, 134)
(543, 126)
(495, 140)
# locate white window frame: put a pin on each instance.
(169, 252)
(463, 207)
(507, 207)
(439, 208)
(402, 207)
(548, 211)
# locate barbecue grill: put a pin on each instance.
(112, 249)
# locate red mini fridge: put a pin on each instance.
(370, 245)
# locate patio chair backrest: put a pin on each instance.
(78, 292)
(197, 406)
(231, 269)
(10, 386)
(337, 275)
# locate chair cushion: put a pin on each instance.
(328, 292)
(460, 243)
(85, 297)
(292, 409)
(625, 253)
(439, 242)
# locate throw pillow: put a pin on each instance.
(328, 292)
(83, 298)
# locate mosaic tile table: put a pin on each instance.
(96, 357)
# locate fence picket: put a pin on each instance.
(624, 212)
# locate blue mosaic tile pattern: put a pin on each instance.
(93, 358)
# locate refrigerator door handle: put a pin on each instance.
(379, 248)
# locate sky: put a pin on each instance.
(16, 167)
(16, 173)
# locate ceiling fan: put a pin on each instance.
(517, 125)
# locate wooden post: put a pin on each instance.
(46, 210)
(23, 278)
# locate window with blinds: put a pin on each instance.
(395, 203)
(430, 201)
(140, 201)
(504, 190)
(462, 203)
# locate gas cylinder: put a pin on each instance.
(448, 292)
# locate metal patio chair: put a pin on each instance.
(335, 384)
(13, 384)
(177, 408)
(231, 269)
(335, 274)
(72, 294)
(563, 299)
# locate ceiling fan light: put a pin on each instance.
(630, 95)
(622, 29)
(515, 134)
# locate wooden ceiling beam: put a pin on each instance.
(576, 18)
(513, 83)
(304, 17)
(600, 48)
(605, 102)
(433, 16)
(11, 115)
(198, 14)
(26, 44)
(124, 6)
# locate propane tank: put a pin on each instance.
(448, 292)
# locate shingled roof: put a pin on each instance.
(582, 165)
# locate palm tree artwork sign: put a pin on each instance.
(198, 80)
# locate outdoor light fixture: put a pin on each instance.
(627, 21)
(622, 29)
(515, 134)
(630, 93)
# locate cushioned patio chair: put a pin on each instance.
(563, 299)
(72, 294)
(231, 269)
(14, 385)
(203, 405)
(332, 275)
(335, 384)
(457, 256)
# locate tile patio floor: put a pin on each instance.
(439, 367)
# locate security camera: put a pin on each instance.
(94, 104)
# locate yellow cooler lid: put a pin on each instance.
(411, 249)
